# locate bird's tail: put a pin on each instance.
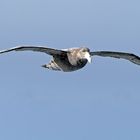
(52, 66)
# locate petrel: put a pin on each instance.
(72, 59)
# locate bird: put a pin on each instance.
(72, 59)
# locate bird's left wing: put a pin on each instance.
(128, 56)
(49, 51)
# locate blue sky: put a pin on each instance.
(100, 101)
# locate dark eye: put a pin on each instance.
(84, 50)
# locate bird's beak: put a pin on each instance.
(88, 57)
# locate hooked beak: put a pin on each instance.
(88, 57)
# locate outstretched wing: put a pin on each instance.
(49, 51)
(128, 56)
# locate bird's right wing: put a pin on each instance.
(128, 56)
(49, 51)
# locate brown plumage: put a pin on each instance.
(72, 59)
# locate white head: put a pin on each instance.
(85, 54)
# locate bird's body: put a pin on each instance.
(68, 61)
(72, 59)
(63, 64)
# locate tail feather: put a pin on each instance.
(52, 66)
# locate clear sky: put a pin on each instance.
(98, 102)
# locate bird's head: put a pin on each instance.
(85, 54)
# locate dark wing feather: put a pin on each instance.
(49, 51)
(128, 56)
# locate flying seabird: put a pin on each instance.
(72, 59)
